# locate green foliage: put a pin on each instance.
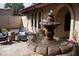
(15, 6)
(4, 30)
(74, 34)
(8, 5)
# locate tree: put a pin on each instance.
(15, 6)
(8, 5)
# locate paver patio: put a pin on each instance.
(16, 49)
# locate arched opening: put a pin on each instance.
(64, 17)
(67, 21)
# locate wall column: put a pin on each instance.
(37, 25)
(33, 24)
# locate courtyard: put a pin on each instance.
(41, 29)
(16, 49)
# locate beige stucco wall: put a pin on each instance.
(29, 27)
(76, 13)
(3, 21)
(59, 32)
(74, 26)
(60, 17)
(74, 10)
(15, 21)
(10, 21)
(6, 11)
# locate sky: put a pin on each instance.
(25, 4)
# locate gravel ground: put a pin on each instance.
(16, 49)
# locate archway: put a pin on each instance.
(64, 15)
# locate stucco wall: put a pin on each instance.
(29, 23)
(59, 32)
(60, 17)
(10, 21)
(76, 13)
(5, 12)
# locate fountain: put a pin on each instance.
(48, 27)
(48, 45)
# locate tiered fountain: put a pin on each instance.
(48, 27)
(46, 46)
